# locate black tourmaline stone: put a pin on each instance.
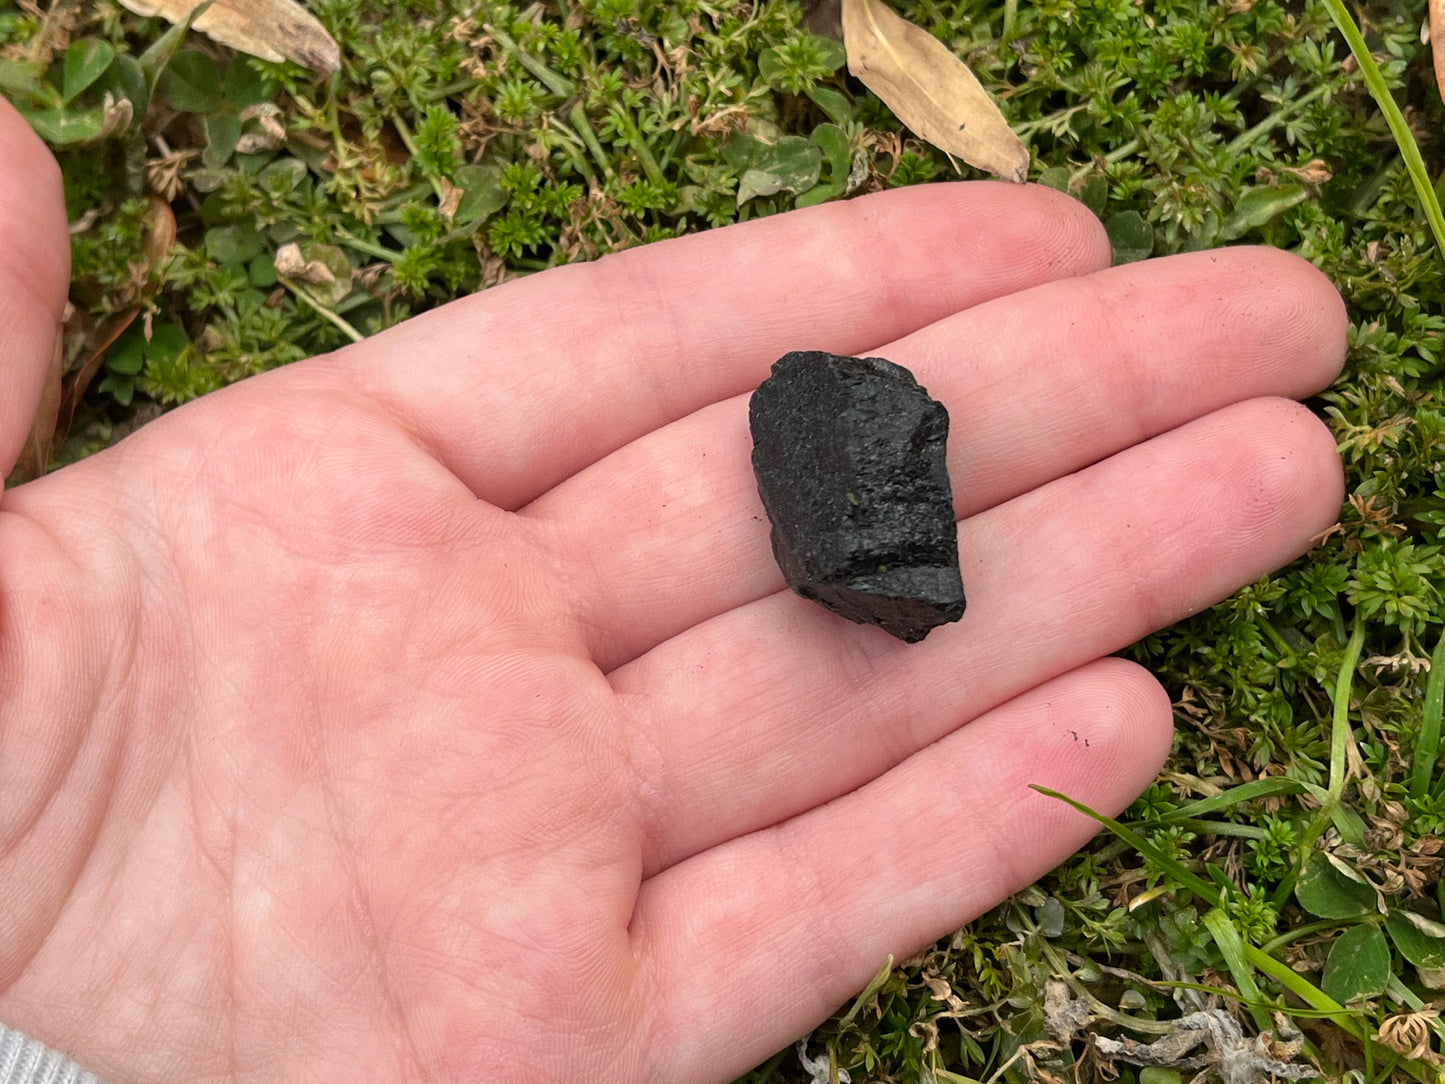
(849, 456)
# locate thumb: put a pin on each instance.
(34, 280)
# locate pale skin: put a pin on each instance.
(434, 710)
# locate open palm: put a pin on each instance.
(434, 710)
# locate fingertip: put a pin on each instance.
(1289, 473)
(1098, 734)
(1078, 236)
(1299, 310)
(1321, 297)
(1133, 715)
(1030, 226)
(930, 251)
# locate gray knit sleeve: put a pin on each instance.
(24, 1061)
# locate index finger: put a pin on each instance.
(521, 387)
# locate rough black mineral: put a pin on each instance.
(849, 456)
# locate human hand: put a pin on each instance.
(434, 710)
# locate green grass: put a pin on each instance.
(1287, 860)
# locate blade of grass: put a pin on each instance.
(155, 59)
(869, 992)
(322, 311)
(1409, 150)
(1340, 733)
(579, 122)
(1282, 973)
(1295, 1011)
(1246, 792)
(1196, 884)
(628, 126)
(1231, 947)
(1340, 736)
(1306, 991)
(952, 1078)
(404, 131)
(559, 85)
(1222, 828)
(1275, 944)
(1427, 749)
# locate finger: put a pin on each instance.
(778, 706)
(34, 273)
(669, 531)
(526, 384)
(754, 942)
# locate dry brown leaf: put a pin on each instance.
(930, 89)
(1437, 45)
(116, 114)
(87, 340)
(290, 264)
(451, 199)
(35, 457)
(270, 29)
(92, 340)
